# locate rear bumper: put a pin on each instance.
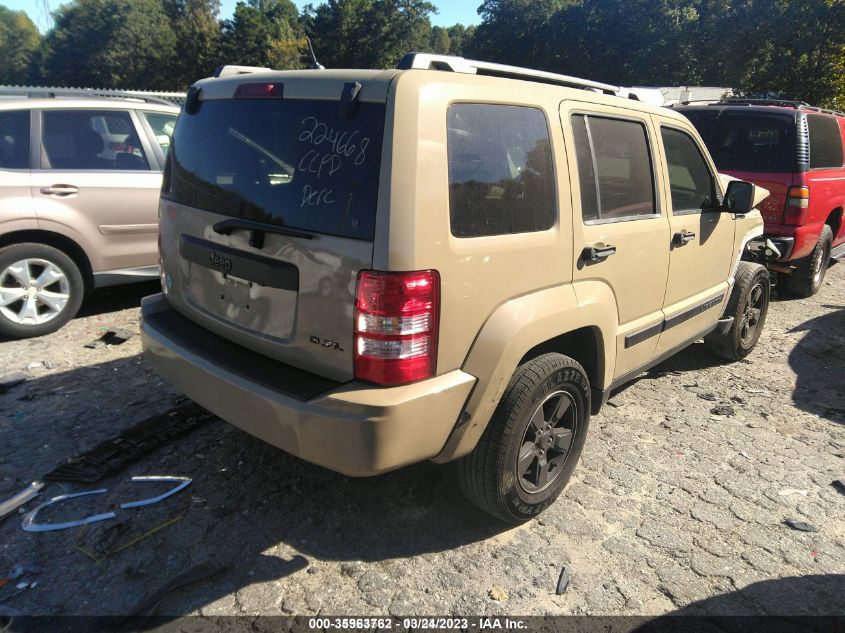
(801, 240)
(353, 428)
(785, 245)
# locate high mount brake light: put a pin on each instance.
(260, 91)
(396, 325)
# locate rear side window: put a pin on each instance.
(501, 176)
(162, 125)
(614, 168)
(298, 163)
(825, 141)
(14, 139)
(690, 180)
(97, 140)
(753, 142)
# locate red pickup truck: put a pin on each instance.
(796, 152)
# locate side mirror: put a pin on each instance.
(739, 198)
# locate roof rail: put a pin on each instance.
(230, 69)
(787, 103)
(429, 61)
(783, 103)
(49, 92)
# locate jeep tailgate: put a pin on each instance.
(267, 215)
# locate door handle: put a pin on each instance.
(598, 253)
(684, 237)
(60, 190)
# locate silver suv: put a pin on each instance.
(79, 185)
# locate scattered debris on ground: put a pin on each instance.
(200, 571)
(20, 499)
(112, 456)
(800, 525)
(724, 410)
(113, 336)
(563, 579)
(498, 594)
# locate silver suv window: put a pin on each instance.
(14, 139)
(162, 125)
(501, 176)
(91, 140)
(614, 168)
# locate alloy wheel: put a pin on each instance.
(546, 442)
(751, 315)
(33, 291)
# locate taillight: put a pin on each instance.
(396, 322)
(260, 91)
(797, 203)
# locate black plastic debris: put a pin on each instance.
(723, 409)
(563, 579)
(112, 456)
(800, 525)
(114, 336)
(8, 381)
(200, 571)
(839, 484)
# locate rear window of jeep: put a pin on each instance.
(297, 163)
(501, 175)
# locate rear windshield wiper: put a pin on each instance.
(257, 229)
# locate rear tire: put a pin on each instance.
(41, 289)
(807, 278)
(533, 441)
(748, 305)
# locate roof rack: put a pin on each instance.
(429, 61)
(48, 92)
(783, 103)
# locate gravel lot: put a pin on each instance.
(673, 507)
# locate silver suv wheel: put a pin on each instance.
(33, 291)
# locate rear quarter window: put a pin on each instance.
(501, 174)
(14, 139)
(825, 142)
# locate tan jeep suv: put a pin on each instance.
(451, 260)
(80, 179)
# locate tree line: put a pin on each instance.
(791, 49)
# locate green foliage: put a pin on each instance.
(264, 33)
(785, 48)
(110, 44)
(194, 23)
(368, 33)
(19, 39)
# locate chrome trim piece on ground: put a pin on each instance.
(184, 483)
(27, 494)
(29, 524)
